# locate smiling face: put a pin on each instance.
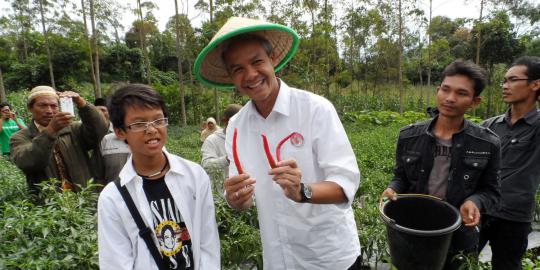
(148, 143)
(455, 96)
(252, 71)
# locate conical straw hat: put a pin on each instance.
(209, 67)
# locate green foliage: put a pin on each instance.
(59, 233)
(384, 118)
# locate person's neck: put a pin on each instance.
(446, 127)
(519, 110)
(264, 107)
(150, 165)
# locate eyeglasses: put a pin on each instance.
(143, 126)
(513, 80)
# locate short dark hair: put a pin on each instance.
(4, 104)
(533, 66)
(133, 95)
(100, 102)
(470, 70)
(231, 110)
(226, 45)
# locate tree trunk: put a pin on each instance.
(428, 96)
(142, 38)
(180, 75)
(90, 57)
(46, 36)
(478, 39)
(95, 49)
(23, 36)
(400, 59)
(216, 96)
(2, 89)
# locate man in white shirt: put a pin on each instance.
(304, 201)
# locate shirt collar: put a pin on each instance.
(429, 128)
(282, 104)
(530, 118)
(128, 173)
(39, 127)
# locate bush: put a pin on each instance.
(59, 233)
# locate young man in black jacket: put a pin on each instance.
(452, 158)
(507, 226)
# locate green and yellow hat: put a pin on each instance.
(209, 67)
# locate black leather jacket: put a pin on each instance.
(475, 165)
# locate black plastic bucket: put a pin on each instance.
(419, 229)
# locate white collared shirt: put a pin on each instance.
(119, 243)
(300, 235)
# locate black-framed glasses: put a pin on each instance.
(143, 126)
(513, 80)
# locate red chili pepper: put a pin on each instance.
(278, 148)
(268, 153)
(235, 153)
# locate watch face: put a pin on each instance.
(307, 191)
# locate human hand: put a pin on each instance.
(239, 191)
(59, 121)
(470, 214)
(288, 176)
(389, 193)
(75, 96)
(12, 115)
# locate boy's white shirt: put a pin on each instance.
(119, 243)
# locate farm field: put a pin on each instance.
(61, 233)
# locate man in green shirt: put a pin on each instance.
(9, 124)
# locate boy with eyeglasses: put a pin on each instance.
(508, 226)
(171, 194)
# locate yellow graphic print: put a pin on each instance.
(168, 234)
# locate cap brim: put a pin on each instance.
(211, 47)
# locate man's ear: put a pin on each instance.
(476, 101)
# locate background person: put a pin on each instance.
(452, 158)
(9, 124)
(214, 155)
(211, 127)
(53, 146)
(304, 203)
(507, 226)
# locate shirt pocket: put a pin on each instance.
(412, 165)
(515, 154)
(473, 169)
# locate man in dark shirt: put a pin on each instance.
(452, 158)
(507, 226)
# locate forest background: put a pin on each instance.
(371, 48)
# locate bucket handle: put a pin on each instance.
(384, 199)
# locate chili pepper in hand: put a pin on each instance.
(278, 148)
(235, 153)
(268, 153)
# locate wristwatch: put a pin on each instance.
(305, 193)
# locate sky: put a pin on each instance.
(449, 8)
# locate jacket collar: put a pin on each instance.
(429, 128)
(34, 131)
(128, 173)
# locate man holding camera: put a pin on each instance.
(53, 145)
